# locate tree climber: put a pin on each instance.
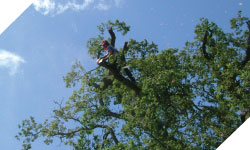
(111, 51)
(107, 47)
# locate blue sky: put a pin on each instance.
(39, 47)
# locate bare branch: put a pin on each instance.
(111, 132)
(125, 48)
(113, 37)
(203, 47)
(113, 136)
(126, 70)
(104, 138)
(129, 74)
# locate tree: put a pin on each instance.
(192, 98)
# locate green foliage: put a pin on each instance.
(182, 99)
(116, 26)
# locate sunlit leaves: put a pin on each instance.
(116, 26)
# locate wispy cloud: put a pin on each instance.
(119, 3)
(103, 5)
(10, 61)
(44, 6)
(55, 7)
(108, 4)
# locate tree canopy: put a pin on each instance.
(192, 98)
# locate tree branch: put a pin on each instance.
(104, 138)
(125, 48)
(112, 34)
(111, 132)
(108, 112)
(113, 136)
(203, 47)
(67, 134)
(101, 102)
(75, 119)
(126, 70)
(120, 78)
(113, 114)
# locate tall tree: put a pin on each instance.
(192, 98)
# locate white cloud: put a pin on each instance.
(55, 7)
(10, 61)
(44, 6)
(103, 5)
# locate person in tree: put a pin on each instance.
(111, 51)
(107, 47)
